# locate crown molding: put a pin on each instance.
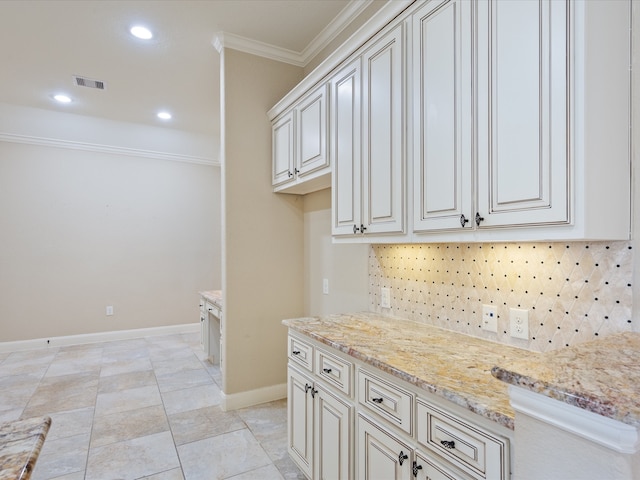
(236, 42)
(383, 17)
(300, 59)
(92, 147)
(347, 15)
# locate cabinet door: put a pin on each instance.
(442, 119)
(300, 420)
(427, 469)
(381, 455)
(334, 437)
(523, 148)
(383, 124)
(345, 139)
(283, 149)
(311, 122)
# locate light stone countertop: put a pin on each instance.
(452, 365)
(20, 444)
(213, 296)
(602, 376)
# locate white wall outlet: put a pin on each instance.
(490, 318)
(385, 297)
(325, 286)
(109, 310)
(519, 322)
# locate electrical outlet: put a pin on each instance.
(325, 286)
(109, 310)
(519, 322)
(490, 318)
(385, 297)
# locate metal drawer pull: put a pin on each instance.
(416, 467)
(306, 387)
(450, 444)
(326, 370)
(377, 400)
(402, 457)
(296, 352)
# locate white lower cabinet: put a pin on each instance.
(333, 431)
(320, 424)
(384, 429)
(382, 455)
(300, 420)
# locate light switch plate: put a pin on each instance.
(325, 286)
(385, 297)
(490, 318)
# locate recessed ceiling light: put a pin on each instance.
(141, 32)
(164, 115)
(62, 98)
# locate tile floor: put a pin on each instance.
(143, 408)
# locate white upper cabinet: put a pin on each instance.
(301, 163)
(283, 146)
(368, 141)
(346, 138)
(510, 118)
(311, 121)
(442, 123)
(383, 122)
(523, 112)
(521, 120)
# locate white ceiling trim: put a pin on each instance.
(332, 30)
(261, 49)
(93, 147)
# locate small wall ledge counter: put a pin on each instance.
(213, 296)
(451, 365)
(602, 376)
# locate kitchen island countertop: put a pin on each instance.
(452, 365)
(20, 444)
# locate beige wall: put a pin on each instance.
(262, 232)
(80, 230)
(343, 265)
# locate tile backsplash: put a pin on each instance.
(574, 291)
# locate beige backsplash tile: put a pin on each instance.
(575, 291)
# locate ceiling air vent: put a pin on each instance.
(87, 82)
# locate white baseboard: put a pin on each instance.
(250, 398)
(37, 343)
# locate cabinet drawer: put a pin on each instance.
(387, 400)
(301, 353)
(334, 371)
(474, 450)
(212, 309)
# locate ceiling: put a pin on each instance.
(44, 42)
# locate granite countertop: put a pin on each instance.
(449, 364)
(20, 445)
(213, 296)
(602, 376)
